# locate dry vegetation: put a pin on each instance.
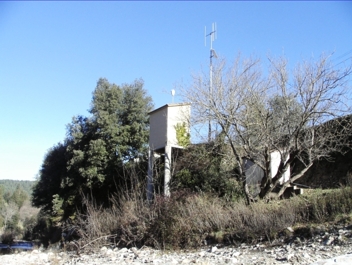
(187, 220)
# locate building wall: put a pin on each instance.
(162, 137)
(157, 135)
(163, 122)
(274, 166)
(176, 114)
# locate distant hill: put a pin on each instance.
(10, 185)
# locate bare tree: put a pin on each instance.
(300, 116)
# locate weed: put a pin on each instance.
(186, 219)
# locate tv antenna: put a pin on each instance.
(213, 37)
(172, 94)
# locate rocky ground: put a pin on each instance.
(322, 247)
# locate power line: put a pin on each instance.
(348, 53)
(349, 58)
(343, 55)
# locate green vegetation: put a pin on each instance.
(11, 185)
(16, 213)
(183, 137)
(97, 152)
(93, 184)
(205, 168)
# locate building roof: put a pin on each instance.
(169, 105)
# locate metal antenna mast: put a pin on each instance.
(213, 36)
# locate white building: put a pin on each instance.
(162, 138)
(275, 160)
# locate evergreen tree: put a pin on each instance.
(51, 175)
(91, 162)
(19, 196)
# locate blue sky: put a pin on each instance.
(53, 53)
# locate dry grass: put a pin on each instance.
(187, 220)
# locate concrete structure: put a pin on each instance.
(255, 173)
(162, 138)
(275, 160)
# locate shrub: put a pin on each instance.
(324, 205)
(7, 237)
(204, 168)
(188, 219)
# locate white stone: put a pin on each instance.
(290, 229)
(202, 253)
(340, 260)
(231, 260)
(103, 250)
(213, 249)
(109, 252)
(290, 256)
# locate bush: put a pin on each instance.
(204, 168)
(324, 205)
(7, 237)
(188, 219)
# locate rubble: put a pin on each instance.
(323, 248)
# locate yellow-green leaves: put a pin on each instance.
(183, 137)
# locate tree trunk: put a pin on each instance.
(291, 180)
(249, 197)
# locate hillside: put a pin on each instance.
(10, 185)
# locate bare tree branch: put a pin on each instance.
(279, 112)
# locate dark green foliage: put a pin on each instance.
(44, 230)
(120, 114)
(97, 151)
(200, 168)
(29, 224)
(52, 174)
(7, 237)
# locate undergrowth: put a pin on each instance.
(186, 220)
